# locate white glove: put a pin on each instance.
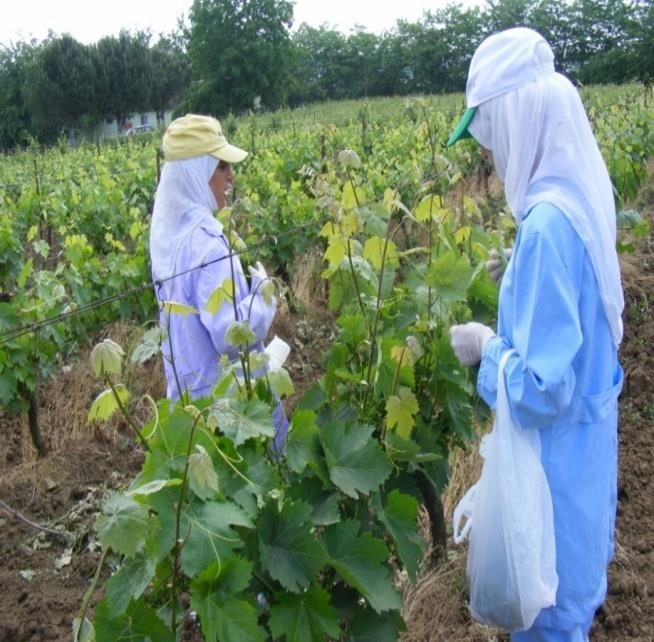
(468, 340)
(258, 273)
(496, 264)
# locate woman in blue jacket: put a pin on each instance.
(560, 307)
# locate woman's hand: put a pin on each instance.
(258, 273)
(468, 341)
(496, 263)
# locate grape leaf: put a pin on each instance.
(400, 516)
(430, 207)
(355, 461)
(241, 420)
(124, 526)
(280, 382)
(350, 223)
(83, 631)
(128, 583)
(214, 596)
(307, 617)
(222, 294)
(209, 537)
(152, 487)
(105, 404)
(335, 252)
(359, 559)
(367, 626)
(150, 345)
(239, 333)
(400, 411)
(21, 279)
(450, 275)
(203, 480)
(324, 503)
(172, 307)
(107, 358)
(352, 196)
(373, 251)
(139, 623)
(288, 549)
(303, 444)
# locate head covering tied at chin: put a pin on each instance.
(533, 121)
(193, 146)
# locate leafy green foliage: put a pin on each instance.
(106, 358)
(358, 559)
(392, 402)
(217, 597)
(307, 617)
(401, 409)
(400, 515)
(288, 549)
(241, 420)
(355, 461)
(124, 525)
(210, 534)
(203, 480)
(106, 403)
(139, 623)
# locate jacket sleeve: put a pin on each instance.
(546, 334)
(249, 306)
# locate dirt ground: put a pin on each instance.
(44, 577)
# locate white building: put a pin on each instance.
(135, 123)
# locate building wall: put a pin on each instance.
(110, 128)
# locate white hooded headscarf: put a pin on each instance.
(533, 121)
(183, 200)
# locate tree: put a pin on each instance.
(124, 74)
(171, 74)
(642, 32)
(59, 89)
(239, 49)
(15, 116)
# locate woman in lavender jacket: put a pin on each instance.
(184, 235)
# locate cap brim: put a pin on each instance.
(461, 130)
(230, 154)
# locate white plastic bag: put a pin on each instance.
(512, 557)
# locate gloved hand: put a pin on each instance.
(468, 340)
(258, 273)
(496, 264)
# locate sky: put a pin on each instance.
(87, 21)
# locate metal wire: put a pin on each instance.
(19, 331)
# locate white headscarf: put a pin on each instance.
(544, 151)
(183, 200)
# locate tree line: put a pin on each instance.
(234, 55)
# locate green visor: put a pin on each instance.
(461, 130)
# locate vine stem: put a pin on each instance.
(243, 356)
(87, 596)
(178, 517)
(429, 258)
(126, 414)
(375, 326)
(355, 281)
(63, 535)
(170, 347)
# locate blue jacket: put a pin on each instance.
(564, 381)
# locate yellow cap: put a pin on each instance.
(194, 135)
